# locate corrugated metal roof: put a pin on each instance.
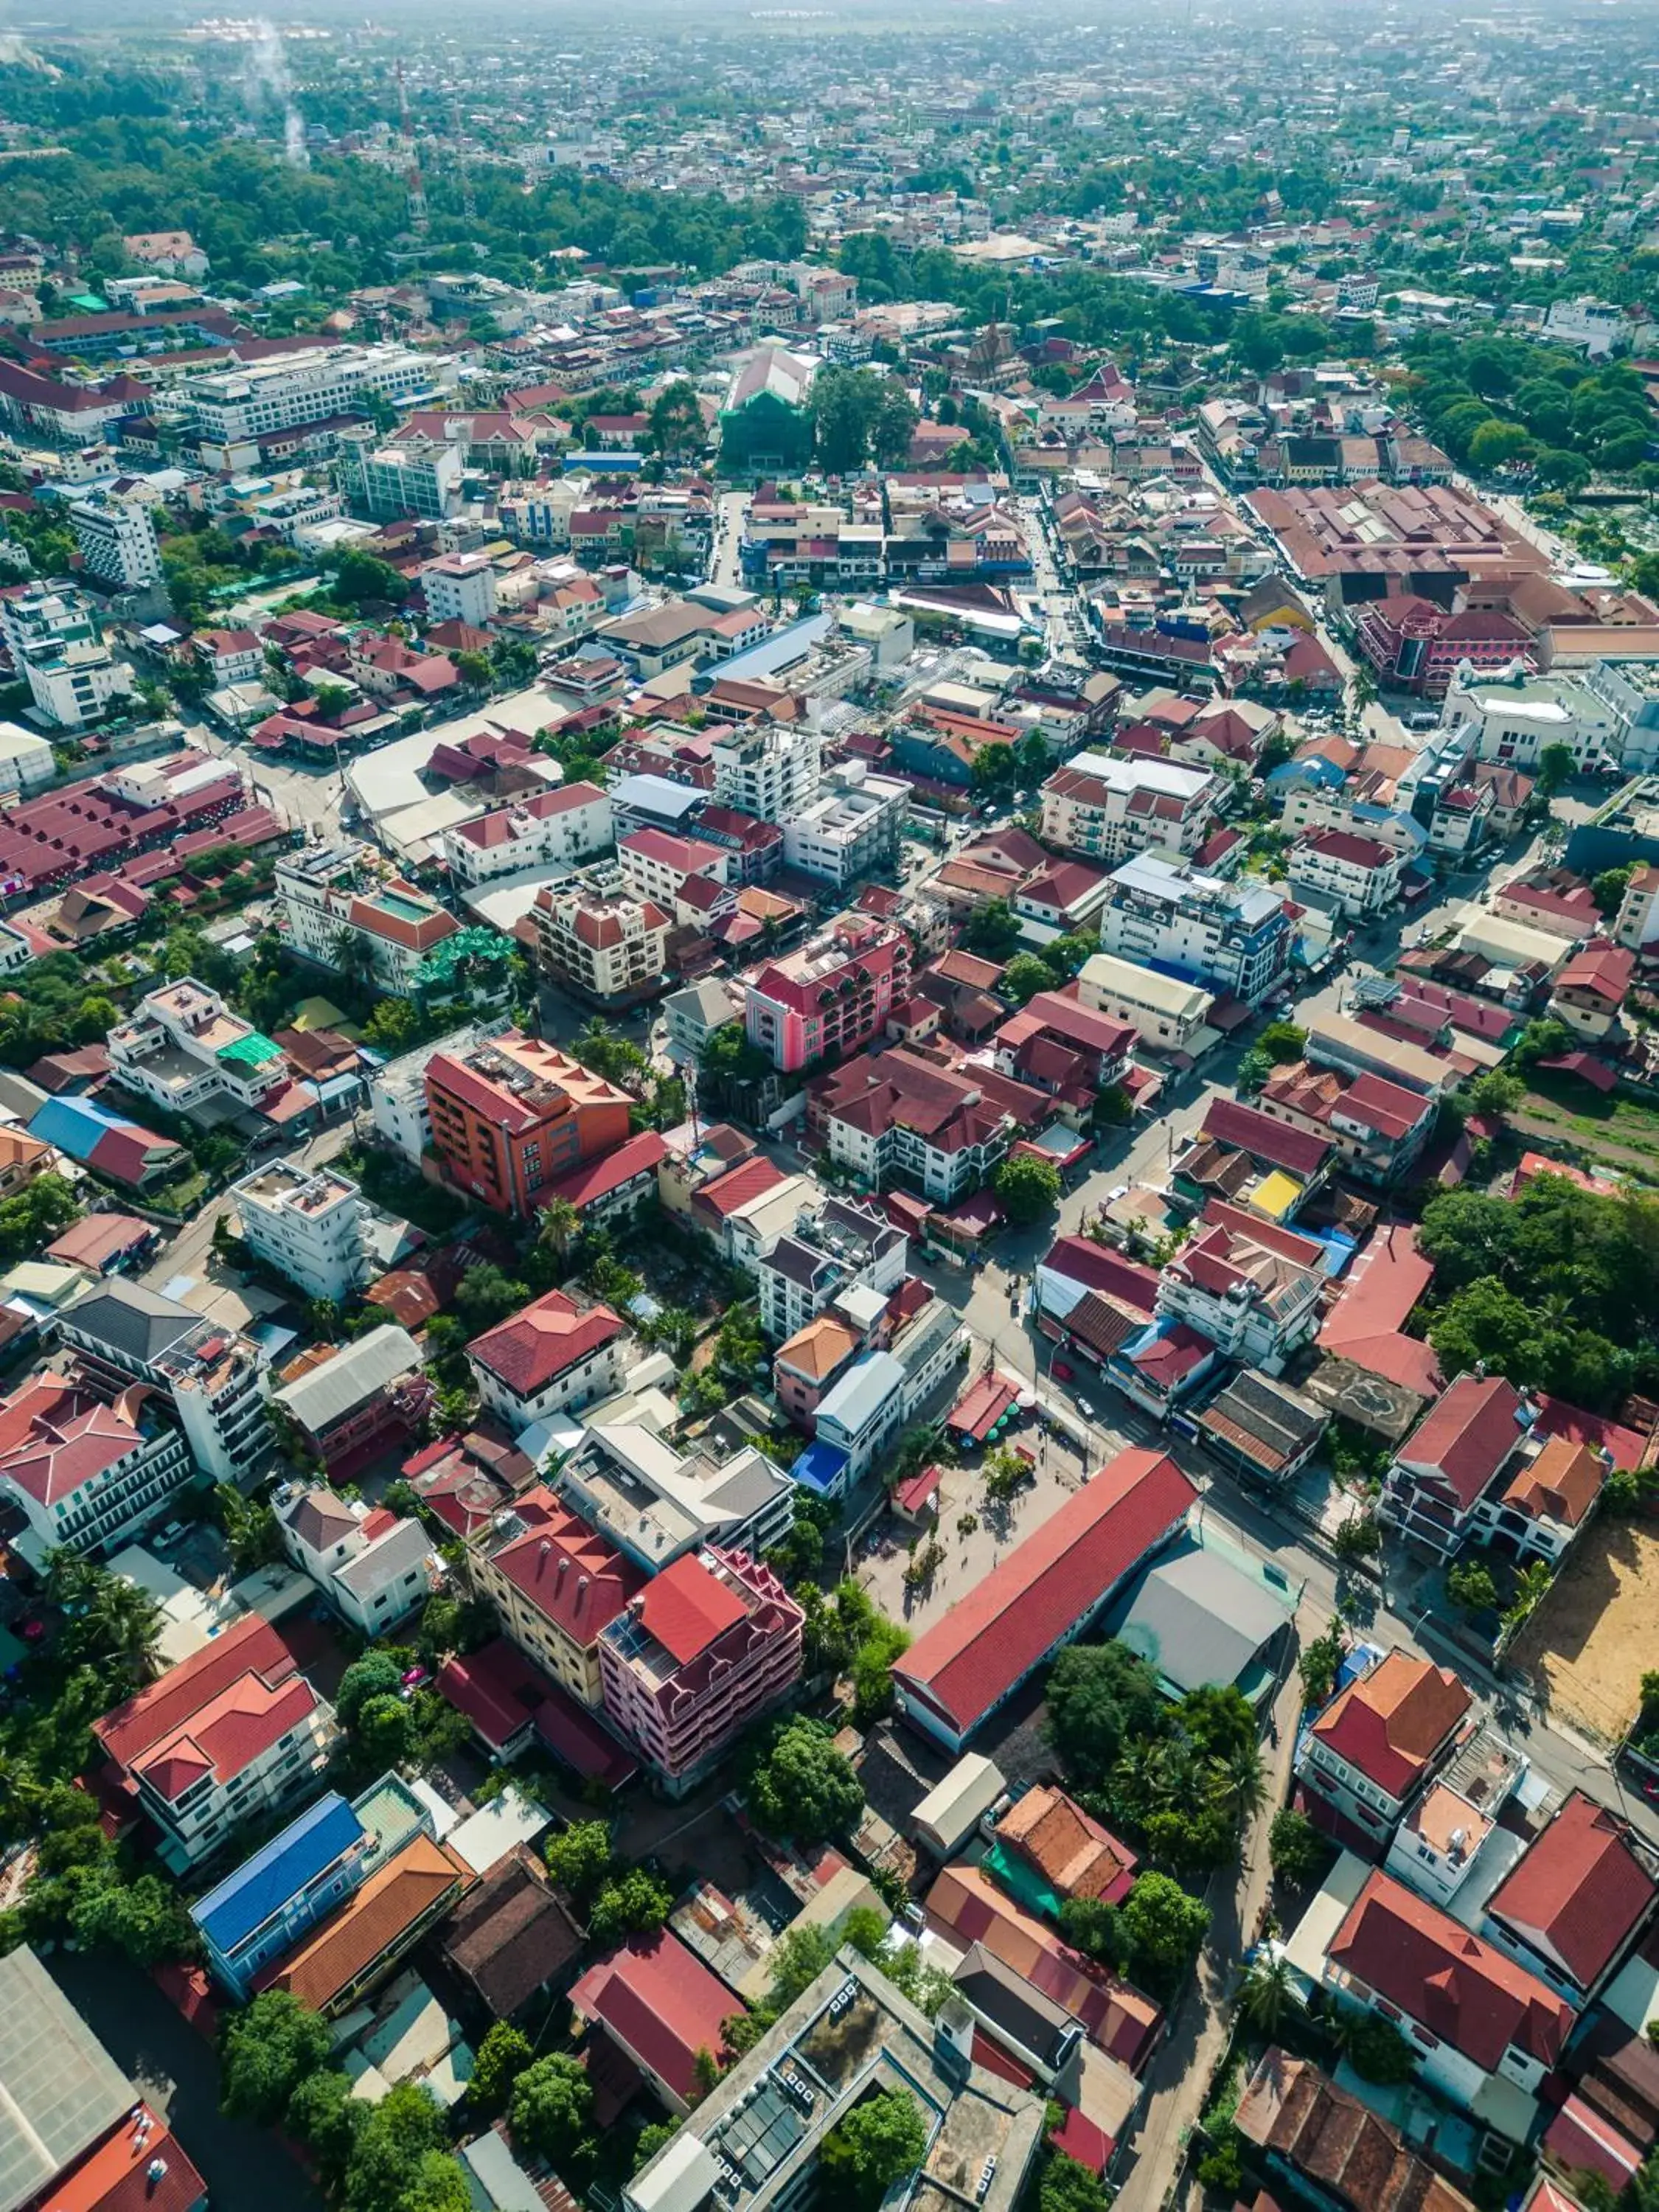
(246, 1898)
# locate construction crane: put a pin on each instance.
(469, 198)
(419, 222)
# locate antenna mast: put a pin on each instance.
(415, 189)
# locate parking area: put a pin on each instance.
(970, 1551)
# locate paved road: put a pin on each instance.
(246, 2168)
(191, 1252)
(730, 509)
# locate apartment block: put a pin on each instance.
(85, 1475)
(560, 826)
(333, 896)
(832, 997)
(611, 949)
(231, 408)
(843, 1246)
(976, 2124)
(122, 1333)
(1358, 878)
(308, 1225)
(510, 1115)
(420, 479)
(656, 866)
(902, 1117)
(1251, 1289)
(1107, 808)
(702, 1650)
(556, 1586)
(373, 1568)
(183, 1047)
(116, 537)
(655, 1503)
(57, 648)
(851, 829)
(554, 1356)
(1232, 938)
(230, 1735)
(461, 588)
(771, 773)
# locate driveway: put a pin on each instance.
(246, 2168)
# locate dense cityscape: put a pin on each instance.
(830, 1109)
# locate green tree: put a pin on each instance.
(1165, 1926)
(378, 1673)
(1318, 1664)
(1283, 1042)
(993, 932)
(1608, 888)
(487, 1294)
(389, 2161)
(652, 2138)
(676, 424)
(505, 2053)
(328, 2120)
(799, 1957)
(1023, 978)
(1470, 1587)
(1066, 2185)
(267, 2050)
(1296, 1849)
(580, 1860)
(799, 1785)
(1099, 1695)
(882, 2138)
(1375, 2049)
(1556, 768)
(1266, 1991)
(1026, 1189)
(1496, 1093)
(894, 423)
(1496, 444)
(1253, 1069)
(551, 2111)
(1095, 1927)
(634, 1904)
(385, 1731)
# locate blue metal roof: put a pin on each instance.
(820, 1467)
(75, 1125)
(244, 1901)
(781, 650)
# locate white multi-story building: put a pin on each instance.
(373, 1568)
(183, 1048)
(461, 588)
(654, 865)
(232, 407)
(1253, 1290)
(55, 644)
(843, 1246)
(655, 1503)
(561, 826)
(611, 949)
(27, 763)
(1107, 808)
(771, 773)
(88, 1476)
(227, 1736)
(309, 1226)
(331, 895)
(850, 830)
(1592, 325)
(1167, 1014)
(1629, 691)
(1229, 937)
(1516, 716)
(1356, 877)
(387, 483)
(117, 538)
(123, 1332)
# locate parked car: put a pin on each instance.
(1062, 1373)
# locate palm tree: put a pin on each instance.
(354, 955)
(560, 1223)
(1241, 1781)
(121, 1623)
(1266, 1991)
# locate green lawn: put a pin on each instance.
(1622, 1130)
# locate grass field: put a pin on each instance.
(1590, 1641)
(1624, 1132)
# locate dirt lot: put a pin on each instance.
(1590, 1642)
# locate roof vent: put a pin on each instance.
(155, 2172)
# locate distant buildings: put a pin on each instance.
(53, 636)
(766, 423)
(538, 830)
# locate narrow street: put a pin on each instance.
(1178, 2079)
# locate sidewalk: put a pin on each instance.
(1178, 2079)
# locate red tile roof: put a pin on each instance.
(661, 2003)
(1391, 1721)
(253, 1649)
(1579, 1892)
(686, 1609)
(1448, 1981)
(997, 1632)
(1229, 1122)
(1467, 1436)
(598, 1179)
(119, 2175)
(544, 1340)
(568, 1573)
